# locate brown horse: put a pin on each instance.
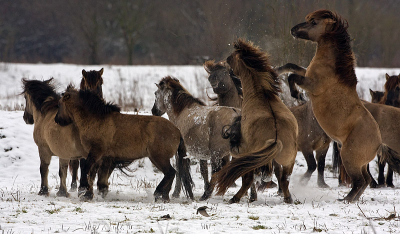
(330, 81)
(200, 125)
(104, 131)
(268, 128)
(51, 139)
(91, 80)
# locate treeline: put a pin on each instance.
(179, 32)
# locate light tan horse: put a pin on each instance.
(268, 128)
(200, 125)
(104, 131)
(330, 81)
(51, 139)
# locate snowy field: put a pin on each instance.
(130, 208)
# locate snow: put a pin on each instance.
(130, 208)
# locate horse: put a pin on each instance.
(268, 128)
(392, 90)
(103, 131)
(200, 125)
(330, 81)
(91, 80)
(51, 139)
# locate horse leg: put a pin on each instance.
(311, 166)
(321, 155)
(45, 158)
(389, 178)
(367, 179)
(83, 184)
(373, 183)
(88, 174)
(253, 192)
(62, 172)
(164, 187)
(216, 164)
(103, 175)
(286, 172)
(278, 175)
(356, 174)
(178, 182)
(381, 173)
(204, 174)
(247, 181)
(74, 166)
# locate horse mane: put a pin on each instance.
(95, 104)
(91, 78)
(180, 98)
(340, 38)
(256, 62)
(42, 94)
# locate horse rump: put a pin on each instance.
(245, 163)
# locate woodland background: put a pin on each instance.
(182, 32)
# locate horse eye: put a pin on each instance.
(313, 22)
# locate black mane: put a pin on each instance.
(96, 105)
(41, 93)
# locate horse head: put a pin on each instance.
(92, 80)
(63, 116)
(317, 25)
(393, 97)
(220, 76)
(28, 111)
(376, 96)
(162, 98)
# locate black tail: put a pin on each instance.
(233, 132)
(390, 156)
(183, 168)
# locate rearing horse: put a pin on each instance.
(268, 128)
(330, 81)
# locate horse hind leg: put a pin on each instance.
(320, 156)
(178, 182)
(285, 177)
(74, 166)
(389, 178)
(216, 164)
(204, 174)
(311, 166)
(106, 165)
(62, 172)
(358, 181)
(164, 187)
(247, 181)
(367, 179)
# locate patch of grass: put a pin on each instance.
(78, 209)
(52, 211)
(259, 227)
(252, 217)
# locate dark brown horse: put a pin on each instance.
(91, 80)
(104, 131)
(391, 95)
(268, 128)
(330, 81)
(200, 125)
(51, 139)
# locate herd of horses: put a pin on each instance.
(248, 133)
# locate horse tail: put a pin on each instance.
(389, 156)
(335, 158)
(233, 132)
(183, 168)
(245, 163)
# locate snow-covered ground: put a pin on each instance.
(130, 207)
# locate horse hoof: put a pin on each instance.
(234, 200)
(103, 193)
(43, 192)
(288, 200)
(391, 186)
(252, 199)
(62, 194)
(81, 191)
(87, 197)
(72, 190)
(175, 195)
(73, 187)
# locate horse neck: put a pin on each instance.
(253, 93)
(230, 98)
(325, 50)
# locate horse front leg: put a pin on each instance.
(321, 155)
(45, 158)
(74, 166)
(88, 175)
(103, 175)
(62, 172)
(204, 174)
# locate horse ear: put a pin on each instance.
(371, 92)
(49, 80)
(158, 86)
(101, 71)
(387, 76)
(84, 73)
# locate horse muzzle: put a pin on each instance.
(28, 118)
(298, 33)
(155, 111)
(62, 122)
